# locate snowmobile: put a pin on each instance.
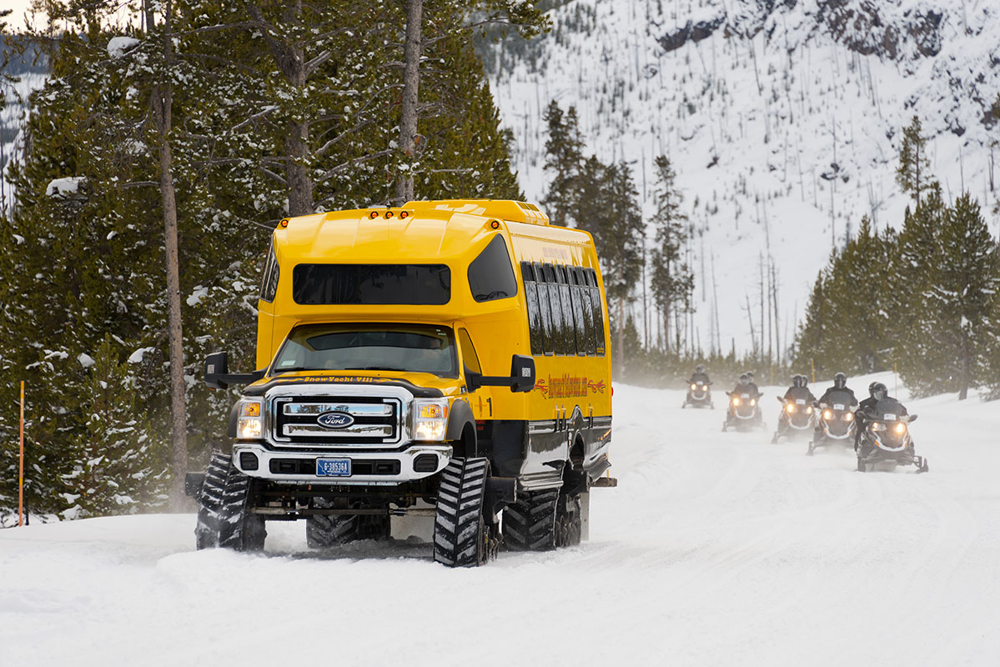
(797, 419)
(699, 395)
(836, 424)
(886, 437)
(744, 411)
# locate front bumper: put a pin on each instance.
(369, 468)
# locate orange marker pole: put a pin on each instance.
(20, 474)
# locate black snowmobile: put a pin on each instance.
(797, 419)
(836, 422)
(699, 395)
(744, 411)
(886, 437)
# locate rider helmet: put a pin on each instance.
(750, 377)
(700, 368)
(743, 379)
(799, 380)
(878, 390)
(839, 380)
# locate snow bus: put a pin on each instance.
(446, 359)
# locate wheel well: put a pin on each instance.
(466, 445)
(576, 452)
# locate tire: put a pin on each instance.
(462, 535)
(224, 518)
(530, 523)
(324, 531)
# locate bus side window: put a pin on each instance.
(555, 307)
(534, 313)
(584, 326)
(469, 356)
(546, 311)
(269, 283)
(595, 299)
(569, 333)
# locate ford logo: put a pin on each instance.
(334, 420)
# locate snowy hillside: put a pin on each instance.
(783, 119)
(716, 549)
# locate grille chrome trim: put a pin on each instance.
(357, 430)
(353, 409)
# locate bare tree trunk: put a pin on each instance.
(300, 185)
(162, 110)
(411, 86)
(963, 389)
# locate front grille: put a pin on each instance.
(296, 420)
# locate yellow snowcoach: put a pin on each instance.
(450, 353)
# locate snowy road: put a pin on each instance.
(716, 549)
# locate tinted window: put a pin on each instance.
(598, 310)
(580, 325)
(534, 313)
(548, 327)
(269, 282)
(490, 275)
(555, 306)
(371, 284)
(469, 356)
(569, 333)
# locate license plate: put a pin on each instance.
(333, 467)
(838, 406)
(801, 401)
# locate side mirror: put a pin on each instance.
(522, 372)
(912, 418)
(216, 366)
(780, 399)
(217, 375)
(522, 376)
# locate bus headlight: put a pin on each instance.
(430, 419)
(249, 425)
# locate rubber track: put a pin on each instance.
(530, 523)
(458, 523)
(222, 518)
(207, 530)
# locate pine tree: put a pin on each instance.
(564, 158)
(957, 318)
(913, 173)
(672, 280)
(811, 340)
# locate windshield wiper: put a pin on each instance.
(295, 369)
(375, 368)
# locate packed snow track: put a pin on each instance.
(715, 549)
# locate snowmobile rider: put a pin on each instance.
(866, 409)
(741, 385)
(700, 375)
(839, 388)
(752, 386)
(799, 391)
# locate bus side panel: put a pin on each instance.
(265, 328)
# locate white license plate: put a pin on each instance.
(838, 406)
(333, 467)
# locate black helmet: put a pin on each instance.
(700, 368)
(878, 390)
(799, 380)
(749, 376)
(743, 379)
(839, 380)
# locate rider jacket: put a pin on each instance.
(838, 395)
(799, 393)
(699, 377)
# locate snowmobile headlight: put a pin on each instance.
(790, 407)
(827, 415)
(900, 428)
(849, 417)
(736, 401)
(753, 401)
(430, 419)
(693, 387)
(249, 425)
(809, 410)
(878, 426)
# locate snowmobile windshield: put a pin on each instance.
(889, 409)
(350, 347)
(839, 397)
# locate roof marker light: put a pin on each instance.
(495, 224)
(403, 214)
(388, 214)
(283, 223)
(373, 215)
